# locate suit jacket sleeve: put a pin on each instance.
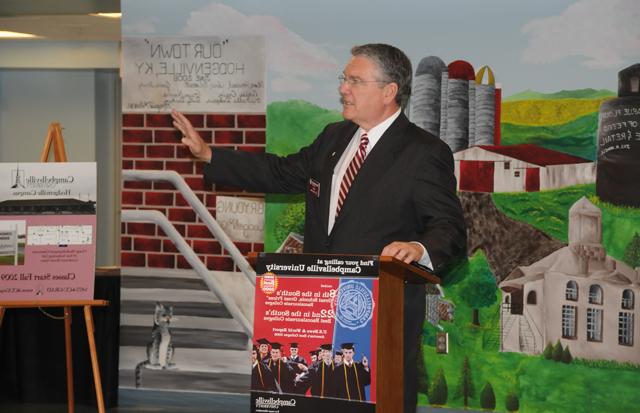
(263, 172)
(438, 207)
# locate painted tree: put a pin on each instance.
(512, 403)
(567, 358)
(439, 393)
(632, 252)
(290, 220)
(465, 387)
(488, 397)
(479, 289)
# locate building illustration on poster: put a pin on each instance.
(47, 231)
(12, 240)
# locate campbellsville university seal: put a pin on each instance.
(353, 305)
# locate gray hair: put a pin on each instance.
(394, 65)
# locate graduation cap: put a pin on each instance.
(255, 348)
(276, 346)
(262, 341)
(338, 353)
(314, 352)
(293, 345)
(326, 346)
(347, 346)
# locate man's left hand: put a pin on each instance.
(404, 251)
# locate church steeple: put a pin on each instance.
(585, 223)
(585, 233)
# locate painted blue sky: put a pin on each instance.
(546, 45)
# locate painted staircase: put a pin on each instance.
(210, 347)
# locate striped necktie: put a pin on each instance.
(352, 171)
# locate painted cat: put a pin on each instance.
(160, 350)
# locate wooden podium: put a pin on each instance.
(392, 275)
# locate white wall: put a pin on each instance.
(31, 99)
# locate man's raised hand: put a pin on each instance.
(190, 137)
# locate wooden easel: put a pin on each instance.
(54, 135)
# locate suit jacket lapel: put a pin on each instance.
(340, 143)
(376, 164)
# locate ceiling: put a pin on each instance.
(61, 20)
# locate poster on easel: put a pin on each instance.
(315, 332)
(47, 231)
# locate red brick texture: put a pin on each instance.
(151, 143)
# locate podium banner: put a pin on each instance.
(315, 326)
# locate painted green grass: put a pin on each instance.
(546, 210)
(541, 385)
(577, 137)
(291, 125)
(547, 386)
(619, 225)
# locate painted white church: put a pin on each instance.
(577, 295)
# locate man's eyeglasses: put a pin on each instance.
(356, 81)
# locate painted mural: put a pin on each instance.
(541, 112)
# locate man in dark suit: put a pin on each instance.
(375, 183)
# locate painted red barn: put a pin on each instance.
(519, 168)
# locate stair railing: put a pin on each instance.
(202, 212)
(158, 218)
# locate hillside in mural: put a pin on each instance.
(291, 125)
(586, 93)
(565, 121)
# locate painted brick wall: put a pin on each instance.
(149, 141)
